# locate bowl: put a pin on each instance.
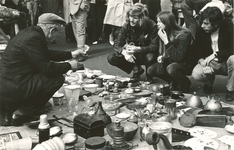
(90, 87)
(130, 130)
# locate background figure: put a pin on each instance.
(66, 11)
(97, 13)
(188, 8)
(176, 10)
(11, 26)
(115, 16)
(32, 6)
(50, 6)
(79, 11)
(154, 7)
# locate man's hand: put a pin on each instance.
(129, 58)
(74, 64)
(132, 49)
(163, 36)
(202, 62)
(78, 52)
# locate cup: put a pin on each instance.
(58, 98)
(21, 144)
(99, 82)
(72, 91)
(170, 107)
(150, 107)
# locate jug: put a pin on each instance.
(102, 114)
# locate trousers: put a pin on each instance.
(225, 68)
(34, 102)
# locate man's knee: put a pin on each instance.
(230, 61)
(55, 83)
(196, 73)
(172, 68)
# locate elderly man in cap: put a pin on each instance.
(30, 73)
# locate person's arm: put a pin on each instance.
(226, 43)
(37, 53)
(177, 54)
(121, 39)
(152, 36)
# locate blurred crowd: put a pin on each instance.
(104, 18)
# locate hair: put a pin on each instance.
(56, 27)
(138, 10)
(172, 29)
(214, 15)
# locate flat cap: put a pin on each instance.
(50, 18)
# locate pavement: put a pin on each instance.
(97, 60)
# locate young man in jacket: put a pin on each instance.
(214, 48)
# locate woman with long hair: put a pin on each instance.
(173, 62)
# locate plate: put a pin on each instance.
(107, 77)
(202, 133)
(122, 115)
(229, 128)
(143, 93)
(227, 139)
(200, 143)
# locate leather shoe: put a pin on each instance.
(136, 76)
(229, 95)
(19, 120)
(207, 89)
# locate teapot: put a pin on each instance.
(213, 104)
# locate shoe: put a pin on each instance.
(229, 95)
(86, 48)
(19, 120)
(207, 89)
(148, 79)
(136, 76)
(95, 43)
(186, 86)
(5, 116)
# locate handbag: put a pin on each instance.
(161, 66)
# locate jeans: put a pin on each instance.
(79, 27)
(225, 68)
(141, 59)
(178, 72)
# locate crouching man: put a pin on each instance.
(214, 47)
(30, 73)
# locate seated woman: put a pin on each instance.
(174, 42)
(135, 45)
